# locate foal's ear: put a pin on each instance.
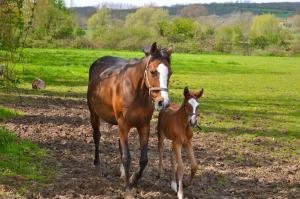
(186, 92)
(153, 48)
(170, 50)
(199, 94)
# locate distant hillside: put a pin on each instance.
(283, 9)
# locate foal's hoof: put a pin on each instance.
(128, 195)
(122, 171)
(134, 179)
(174, 186)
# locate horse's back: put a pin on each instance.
(105, 63)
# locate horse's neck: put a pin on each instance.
(136, 75)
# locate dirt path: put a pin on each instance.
(228, 167)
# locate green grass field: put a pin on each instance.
(243, 95)
(21, 163)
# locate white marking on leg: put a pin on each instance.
(122, 171)
(163, 81)
(174, 186)
(180, 195)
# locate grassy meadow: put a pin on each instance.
(243, 95)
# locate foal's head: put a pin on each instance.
(191, 104)
(157, 74)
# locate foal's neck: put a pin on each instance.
(183, 114)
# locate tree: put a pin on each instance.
(228, 37)
(16, 20)
(264, 30)
(100, 23)
(52, 19)
(193, 11)
(179, 29)
(147, 17)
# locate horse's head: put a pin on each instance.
(157, 74)
(191, 104)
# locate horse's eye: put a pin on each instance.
(153, 73)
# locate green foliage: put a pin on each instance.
(228, 37)
(264, 30)
(179, 29)
(148, 17)
(53, 20)
(23, 160)
(8, 113)
(99, 23)
(79, 32)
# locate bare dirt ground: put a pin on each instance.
(228, 167)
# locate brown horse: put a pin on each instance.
(122, 93)
(175, 123)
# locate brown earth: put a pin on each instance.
(229, 166)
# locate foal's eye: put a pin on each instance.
(153, 73)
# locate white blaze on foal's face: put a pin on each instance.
(163, 81)
(194, 104)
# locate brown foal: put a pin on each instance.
(174, 123)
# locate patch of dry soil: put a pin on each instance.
(228, 167)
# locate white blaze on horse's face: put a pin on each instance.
(163, 80)
(193, 117)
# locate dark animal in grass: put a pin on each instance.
(38, 84)
(175, 123)
(126, 94)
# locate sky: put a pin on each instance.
(80, 3)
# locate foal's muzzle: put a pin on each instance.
(193, 120)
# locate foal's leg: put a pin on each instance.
(173, 165)
(194, 166)
(144, 137)
(96, 136)
(161, 151)
(179, 170)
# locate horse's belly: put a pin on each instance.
(101, 103)
(138, 116)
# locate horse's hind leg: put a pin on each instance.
(144, 137)
(96, 136)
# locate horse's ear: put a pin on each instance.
(146, 51)
(153, 48)
(199, 94)
(186, 92)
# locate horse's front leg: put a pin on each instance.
(125, 155)
(144, 137)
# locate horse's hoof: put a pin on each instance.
(98, 171)
(128, 195)
(134, 179)
(180, 195)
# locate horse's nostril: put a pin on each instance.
(160, 102)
